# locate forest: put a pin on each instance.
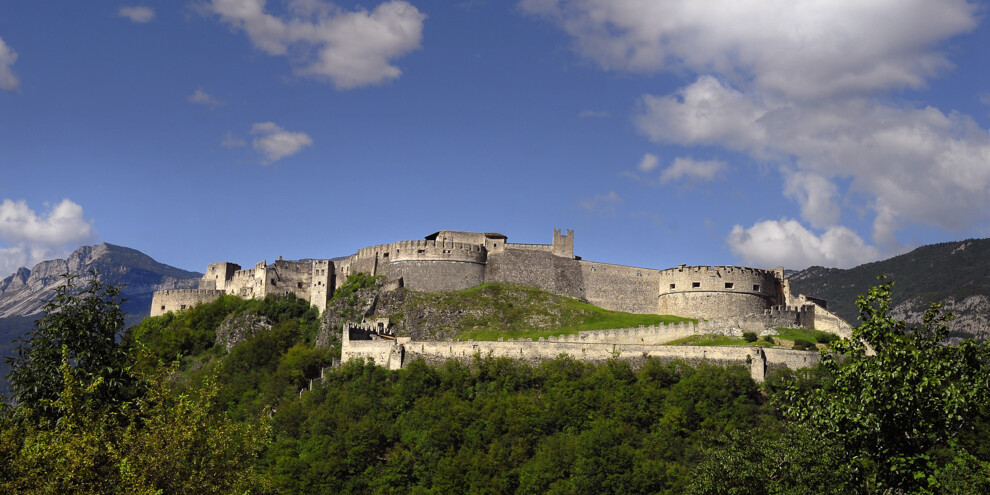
(193, 403)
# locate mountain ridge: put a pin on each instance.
(955, 274)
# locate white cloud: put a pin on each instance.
(648, 163)
(351, 49)
(231, 141)
(786, 242)
(31, 238)
(692, 170)
(139, 14)
(912, 164)
(8, 80)
(816, 195)
(602, 204)
(201, 97)
(796, 48)
(277, 143)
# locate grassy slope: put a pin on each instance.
(493, 311)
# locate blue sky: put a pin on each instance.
(743, 132)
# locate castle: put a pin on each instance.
(452, 260)
(729, 297)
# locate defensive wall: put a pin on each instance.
(309, 280)
(718, 291)
(740, 297)
(397, 353)
(176, 300)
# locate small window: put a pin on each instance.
(300, 285)
(420, 251)
(695, 285)
(273, 283)
(183, 307)
(756, 287)
(673, 286)
(728, 285)
(163, 308)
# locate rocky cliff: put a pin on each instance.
(25, 293)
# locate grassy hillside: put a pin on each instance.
(493, 311)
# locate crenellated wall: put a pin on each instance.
(394, 354)
(174, 300)
(718, 291)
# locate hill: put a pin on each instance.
(956, 274)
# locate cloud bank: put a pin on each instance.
(30, 238)
(138, 14)
(349, 48)
(803, 85)
(8, 80)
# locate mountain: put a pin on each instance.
(956, 274)
(23, 294)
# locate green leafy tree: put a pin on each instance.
(897, 398)
(84, 325)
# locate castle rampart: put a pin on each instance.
(718, 291)
(395, 354)
(176, 300)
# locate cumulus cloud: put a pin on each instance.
(276, 143)
(139, 14)
(691, 170)
(799, 49)
(602, 204)
(31, 238)
(648, 162)
(816, 195)
(914, 164)
(8, 80)
(350, 48)
(201, 97)
(786, 242)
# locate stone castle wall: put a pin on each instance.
(718, 291)
(394, 354)
(620, 288)
(175, 300)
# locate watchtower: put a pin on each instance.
(563, 244)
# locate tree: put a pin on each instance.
(896, 398)
(82, 324)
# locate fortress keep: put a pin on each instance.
(744, 298)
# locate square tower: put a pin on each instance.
(563, 244)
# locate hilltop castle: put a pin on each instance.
(745, 298)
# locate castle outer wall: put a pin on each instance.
(453, 260)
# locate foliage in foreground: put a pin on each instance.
(897, 415)
(95, 425)
(79, 326)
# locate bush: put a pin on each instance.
(769, 340)
(803, 345)
(750, 336)
(826, 338)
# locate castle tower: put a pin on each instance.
(563, 245)
(217, 275)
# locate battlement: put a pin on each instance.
(174, 300)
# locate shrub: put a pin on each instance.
(769, 340)
(750, 336)
(826, 338)
(803, 345)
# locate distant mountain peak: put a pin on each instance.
(25, 292)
